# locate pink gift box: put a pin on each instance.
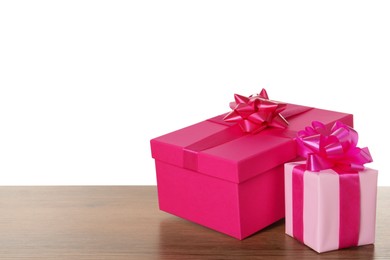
(213, 174)
(325, 218)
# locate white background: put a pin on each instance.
(84, 85)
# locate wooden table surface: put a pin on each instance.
(123, 222)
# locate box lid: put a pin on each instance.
(222, 150)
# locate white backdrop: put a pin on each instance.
(84, 85)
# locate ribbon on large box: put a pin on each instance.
(249, 115)
(335, 149)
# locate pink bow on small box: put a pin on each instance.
(256, 112)
(334, 149)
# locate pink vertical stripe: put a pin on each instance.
(328, 210)
(368, 184)
(297, 205)
(288, 167)
(349, 210)
(310, 209)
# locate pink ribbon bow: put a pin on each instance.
(335, 149)
(256, 112)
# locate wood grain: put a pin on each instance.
(123, 222)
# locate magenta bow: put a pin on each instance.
(334, 149)
(256, 112)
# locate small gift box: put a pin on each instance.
(330, 198)
(226, 173)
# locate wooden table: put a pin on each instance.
(123, 222)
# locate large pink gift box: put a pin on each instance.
(213, 174)
(321, 211)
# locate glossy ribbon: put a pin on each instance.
(256, 112)
(233, 132)
(335, 149)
